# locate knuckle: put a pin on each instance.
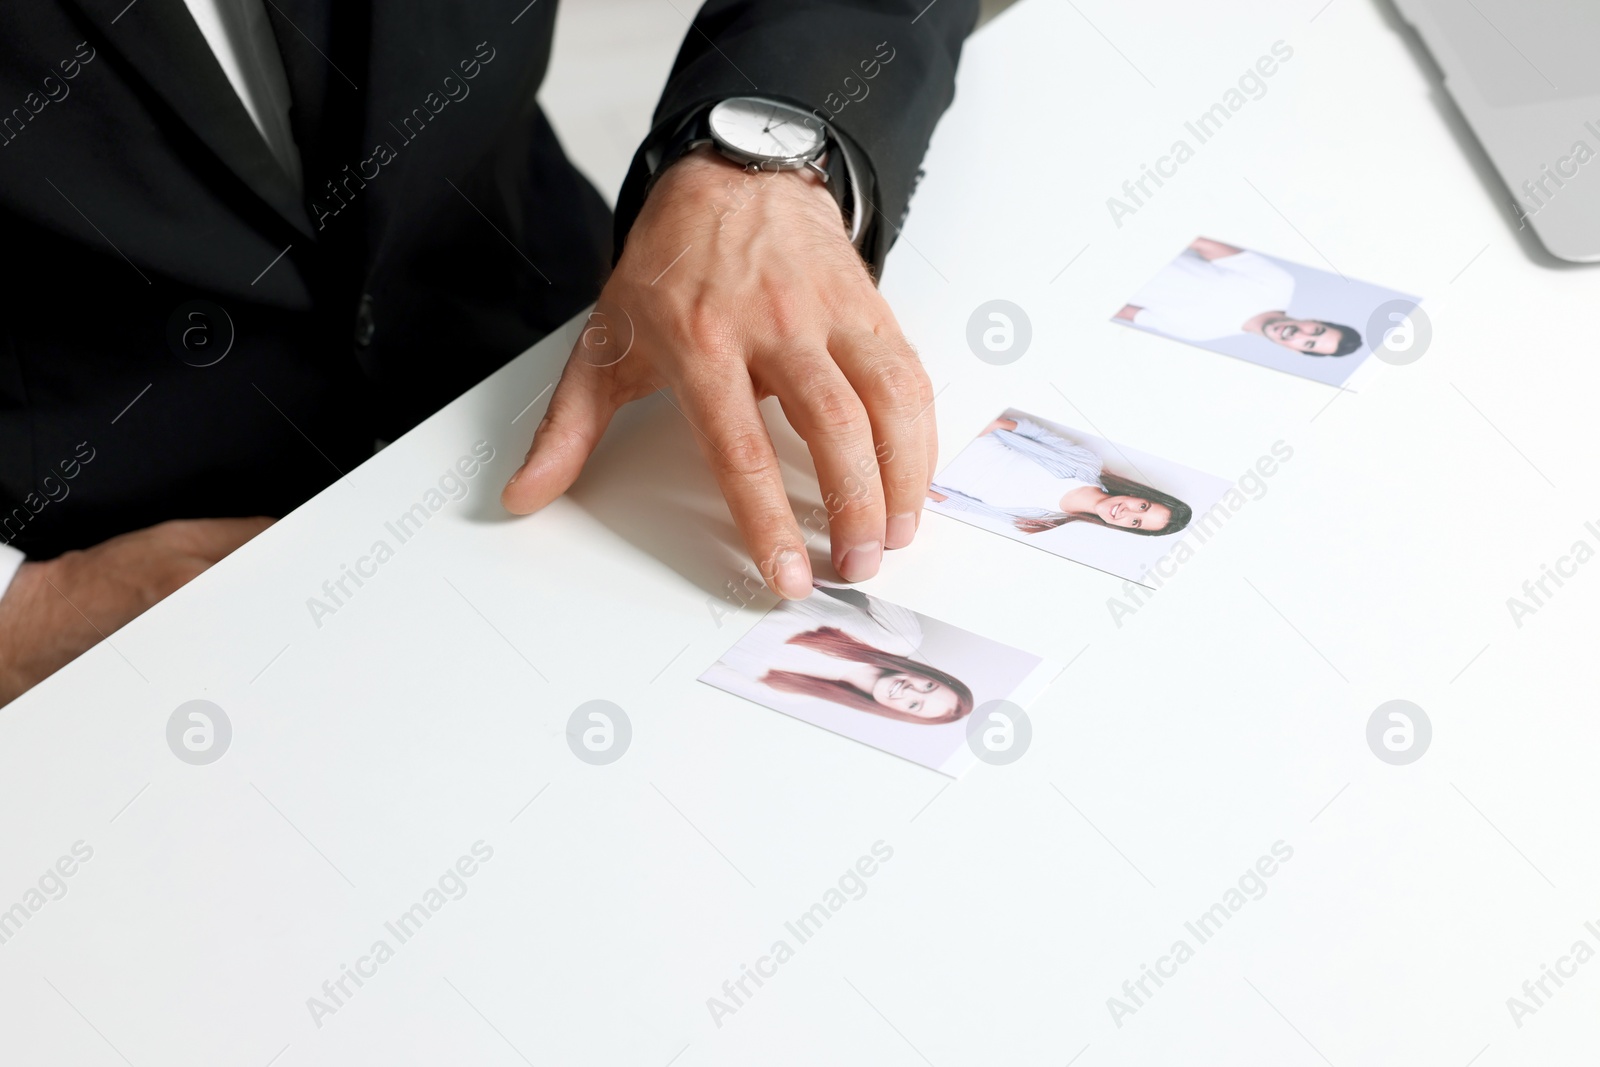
(855, 494)
(710, 333)
(789, 314)
(564, 439)
(773, 530)
(180, 535)
(625, 383)
(834, 408)
(895, 384)
(903, 480)
(925, 393)
(847, 507)
(745, 451)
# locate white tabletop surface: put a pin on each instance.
(1228, 714)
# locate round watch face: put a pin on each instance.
(766, 130)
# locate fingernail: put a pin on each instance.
(901, 529)
(861, 562)
(793, 575)
(516, 473)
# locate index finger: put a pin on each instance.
(733, 438)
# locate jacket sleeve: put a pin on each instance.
(880, 71)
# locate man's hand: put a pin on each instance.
(56, 610)
(738, 287)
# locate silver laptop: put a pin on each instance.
(1526, 74)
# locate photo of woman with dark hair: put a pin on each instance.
(872, 680)
(859, 665)
(1027, 478)
(1058, 482)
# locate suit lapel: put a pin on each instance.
(161, 41)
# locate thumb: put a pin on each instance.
(580, 409)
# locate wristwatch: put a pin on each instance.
(769, 135)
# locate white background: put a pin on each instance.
(1227, 714)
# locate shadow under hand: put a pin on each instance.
(649, 484)
(647, 481)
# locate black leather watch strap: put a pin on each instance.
(693, 131)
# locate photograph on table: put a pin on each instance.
(1073, 494)
(1311, 323)
(878, 673)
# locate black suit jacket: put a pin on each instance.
(186, 336)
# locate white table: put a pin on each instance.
(1229, 713)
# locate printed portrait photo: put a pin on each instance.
(1073, 494)
(876, 672)
(1309, 322)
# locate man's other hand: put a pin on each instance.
(55, 610)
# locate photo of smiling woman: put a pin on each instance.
(1029, 479)
(860, 666)
(1021, 471)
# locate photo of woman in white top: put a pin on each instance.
(853, 650)
(1028, 475)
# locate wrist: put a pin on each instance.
(708, 172)
(707, 184)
